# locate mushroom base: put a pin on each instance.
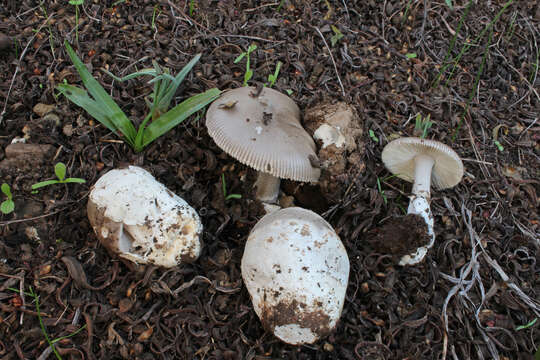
(420, 206)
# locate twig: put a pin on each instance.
(251, 37)
(19, 65)
(333, 62)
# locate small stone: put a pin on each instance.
(68, 130)
(328, 347)
(42, 109)
(53, 118)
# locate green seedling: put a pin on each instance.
(337, 35)
(454, 63)
(7, 206)
(528, 325)
(407, 8)
(272, 78)
(42, 325)
(410, 55)
(76, 3)
(105, 110)
(224, 188)
(280, 5)
(499, 145)
(289, 92)
(191, 7)
(51, 38)
(249, 72)
(373, 136)
(422, 125)
(155, 14)
(60, 171)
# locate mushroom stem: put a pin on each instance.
(423, 165)
(267, 187)
(419, 205)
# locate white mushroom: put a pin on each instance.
(296, 271)
(263, 130)
(139, 219)
(423, 162)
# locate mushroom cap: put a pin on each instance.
(398, 157)
(263, 132)
(296, 271)
(139, 219)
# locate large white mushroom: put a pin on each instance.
(296, 271)
(261, 128)
(139, 219)
(422, 162)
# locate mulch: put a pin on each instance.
(466, 300)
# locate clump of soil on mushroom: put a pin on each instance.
(400, 236)
(337, 130)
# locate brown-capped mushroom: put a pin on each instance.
(423, 162)
(261, 129)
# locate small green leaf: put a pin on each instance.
(233, 196)
(44, 183)
(6, 190)
(410, 55)
(60, 171)
(239, 57)
(499, 145)
(7, 206)
(449, 4)
(76, 2)
(251, 48)
(74, 180)
(337, 35)
(528, 325)
(373, 136)
(289, 92)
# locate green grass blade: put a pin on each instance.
(110, 108)
(81, 98)
(178, 114)
(176, 81)
(43, 184)
(143, 72)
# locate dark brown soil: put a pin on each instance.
(478, 283)
(400, 236)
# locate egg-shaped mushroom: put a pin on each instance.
(137, 218)
(296, 270)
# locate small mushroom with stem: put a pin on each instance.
(261, 128)
(422, 162)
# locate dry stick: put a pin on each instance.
(19, 65)
(331, 57)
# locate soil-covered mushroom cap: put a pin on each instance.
(296, 271)
(398, 156)
(139, 219)
(264, 132)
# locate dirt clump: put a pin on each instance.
(400, 236)
(337, 130)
